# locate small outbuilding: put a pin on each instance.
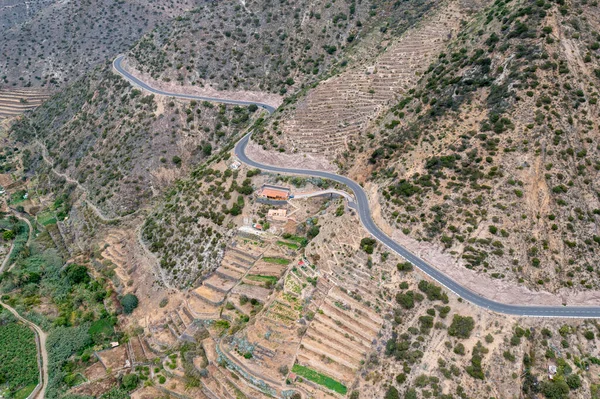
(277, 215)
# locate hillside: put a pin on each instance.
(264, 45)
(50, 43)
(480, 142)
(121, 146)
(496, 147)
(161, 266)
(14, 12)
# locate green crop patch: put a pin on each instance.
(279, 261)
(320, 379)
(18, 356)
(262, 279)
(101, 330)
(290, 245)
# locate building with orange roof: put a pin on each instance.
(274, 193)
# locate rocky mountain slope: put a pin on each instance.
(495, 149)
(472, 126)
(121, 146)
(50, 43)
(479, 140)
(265, 45)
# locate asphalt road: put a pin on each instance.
(135, 81)
(364, 212)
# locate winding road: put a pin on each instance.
(361, 205)
(117, 65)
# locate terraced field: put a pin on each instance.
(332, 115)
(206, 300)
(17, 101)
(339, 337)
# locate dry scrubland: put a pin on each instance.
(52, 43)
(331, 118)
(471, 125)
(479, 140)
(259, 45)
(493, 156)
(122, 146)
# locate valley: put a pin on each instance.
(313, 199)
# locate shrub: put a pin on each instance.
(392, 393)
(406, 299)
(573, 381)
(404, 267)
(130, 381)
(411, 394)
(129, 303)
(400, 378)
(433, 291)
(555, 389)
(475, 370)
(8, 235)
(77, 274)
(459, 349)
(461, 326)
(313, 232)
(368, 244)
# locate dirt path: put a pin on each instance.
(41, 337)
(69, 179)
(6, 259)
(12, 247)
(23, 218)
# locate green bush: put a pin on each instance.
(461, 326)
(392, 393)
(129, 303)
(404, 267)
(573, 381)
(368, 244)
(77, 274)
(555, 389)
(130, 381)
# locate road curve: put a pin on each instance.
(135, 81)
(364, 212)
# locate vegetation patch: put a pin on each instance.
(18, 356)
(279, 261)
(261, 278)
(320, 379)
(290, 245)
